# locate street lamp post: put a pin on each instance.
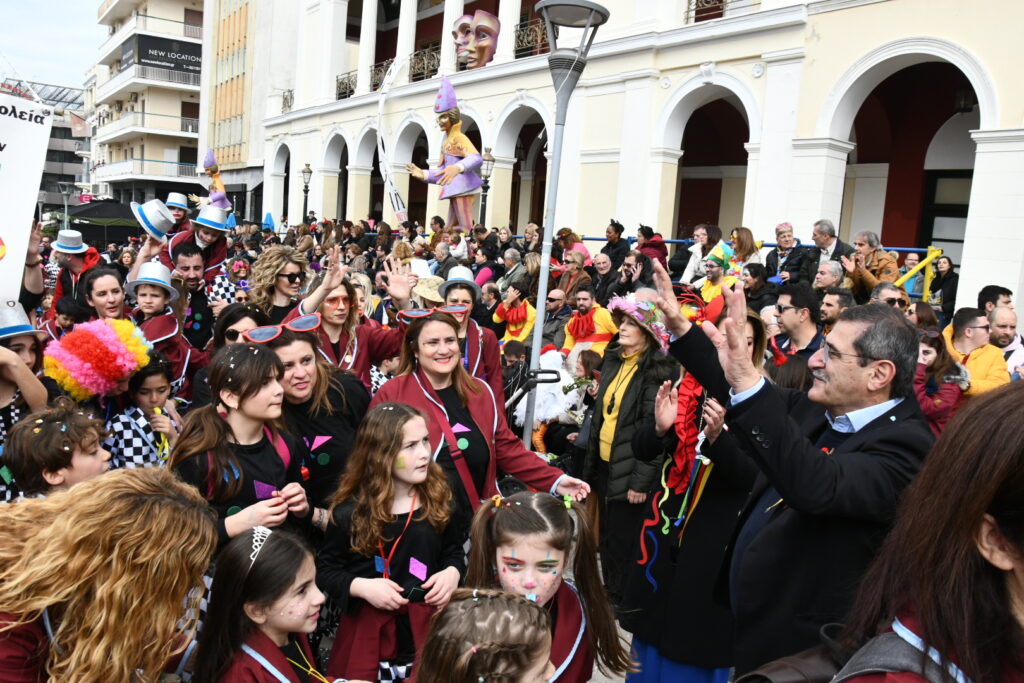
(566, 65)
(307, 175)
(485, 175)
(40, 200)
(65, 189)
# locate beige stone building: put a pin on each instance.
(899, 116)
(144, 97)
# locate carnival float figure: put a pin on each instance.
(218, 194)
(476, 38)
(456, 172)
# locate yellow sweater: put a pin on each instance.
(613, 401)
(986, 366)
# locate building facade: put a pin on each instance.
(899, 116)
(144, 96)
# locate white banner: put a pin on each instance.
(24, 132)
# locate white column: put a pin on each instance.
(993, 242)
(508, 15)
(818, 174)
(300, 91)
(452, 10)
(406, 42)
(367, 46)
(333, 59)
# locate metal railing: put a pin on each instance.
(929, 274)
(164, 122)
(151, 73)
(531, 38)
(345, 85)
(705, 10)
(377, 72)
(424, 64)
(287, 100)
(141, 167)
(146, 22)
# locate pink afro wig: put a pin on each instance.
(95, 357)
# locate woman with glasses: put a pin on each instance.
(469, 437)
(347, 340)
(278, 278)
(870, 265)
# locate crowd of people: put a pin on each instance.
(230, 454)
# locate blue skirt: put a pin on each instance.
(657, 669)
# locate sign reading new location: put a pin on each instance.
(169, 54)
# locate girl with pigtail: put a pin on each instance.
(391, 552)
(522, 544)
(488, 636)
(232, 452)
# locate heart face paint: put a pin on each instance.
(297, 609)
(531, 568)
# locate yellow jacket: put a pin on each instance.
(986, 366)
(520, 325)
(604, 330)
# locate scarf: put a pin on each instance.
(581, 325)
(690, 392)
(515, 317)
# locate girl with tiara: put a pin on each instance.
(266, 601)
(391, 551)
(78, 565)
(522, 544)
(233, 454)
(487, 636)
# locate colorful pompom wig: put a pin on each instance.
(95, 357)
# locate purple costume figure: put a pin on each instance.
(456, 171)
(218, 195)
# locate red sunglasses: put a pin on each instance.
(304, 323)
(417, 313)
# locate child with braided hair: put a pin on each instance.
(488, 636)
(522, 544)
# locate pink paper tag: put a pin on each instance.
(318, 441)
(417, 569)
(263, 491)
(460, 428)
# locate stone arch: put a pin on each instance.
(511, 121)
(337, 143)
(408, 131)
(281, 155)
(848, 94)
(365, 146)
(698, 91)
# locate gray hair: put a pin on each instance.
(826, 227)
(835, 268)
(513, 256)
(444, 248)
(888, 335)
(883, 287)
(870, 237)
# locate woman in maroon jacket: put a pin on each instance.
(348, 340)
(940, 381)
(469, 437)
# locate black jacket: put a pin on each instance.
(616, 252)
(603, 286)
(947, 286)
(811, 256)
(793, 265)
(802, 567)
(626, 471)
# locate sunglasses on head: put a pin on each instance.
(930, 334)
(417, 313)
(304, 323)
(293, 277)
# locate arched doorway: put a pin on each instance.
(522, 135)
(281, 178)
(335, 178)
(909, 176)
(713, 167)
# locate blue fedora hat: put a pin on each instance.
(70, 242)
(14, 323)
(211, 217)
(154, 217)
(153, 273)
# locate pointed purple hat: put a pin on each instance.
(445, 99)
(209, 160)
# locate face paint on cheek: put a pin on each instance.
(400, 462)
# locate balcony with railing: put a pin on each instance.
(532, 38)
(706, 10)
(377, 72)
(111, 49)
(134, 168)
(187, 80)
(423, 64)
(135, 122)
(345, 85)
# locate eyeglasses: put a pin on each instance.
(829, 351)
(552, 300)
(895, 301)
(980, 327)
(293, 277)
(304, 323)
(782, 309)
(417, 313)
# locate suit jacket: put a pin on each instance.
(812, 255)
(802, 568)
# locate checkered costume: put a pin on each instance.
(9, 416)
(132, 442)
(221, 288)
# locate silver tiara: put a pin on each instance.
(260, 534)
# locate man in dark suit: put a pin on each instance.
(833, 464)
(827, 247)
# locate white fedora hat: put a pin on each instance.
(156, 274)
(154, 217)
(14, 323)
(177, 200)
(459, 275)
(69, 242)
(211, 216)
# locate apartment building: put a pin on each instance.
(899, 116)
(144, 98)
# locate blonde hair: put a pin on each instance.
(98, 553)
(402, 250)
(263, 273)
(362, 281)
